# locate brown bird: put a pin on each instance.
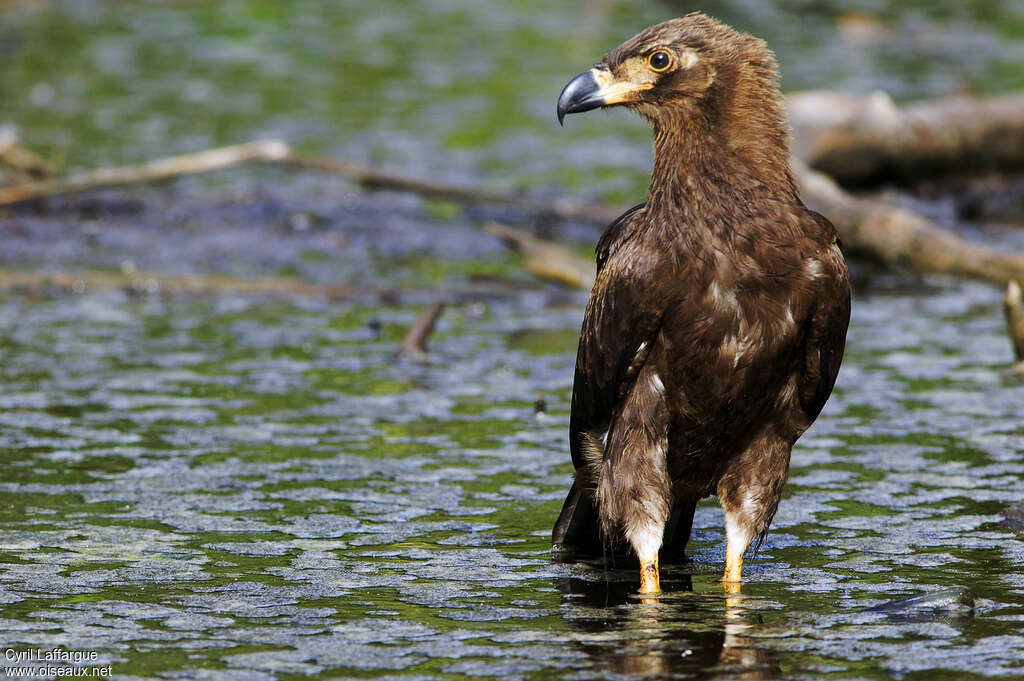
(715, 329)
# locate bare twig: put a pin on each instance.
(154, 171)
(1013, 307)
(277, 151)
(415, 342)
(369, 178)
(25, 163)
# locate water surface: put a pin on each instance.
(212, 487)
(247, 487)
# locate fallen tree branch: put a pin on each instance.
(370, 178)
(154, 171)
(278, 151)
(900, 237)
(25, 163)
(153, 282)
(862, 139)
(893, 235)
(545, 258)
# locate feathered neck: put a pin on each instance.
(737, 127)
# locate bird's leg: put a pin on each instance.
(733, 576)
(749, 493)
(634, 491)
(644, 528)
(645, 534)
(650, 580)
(733, 564)
(738, 533)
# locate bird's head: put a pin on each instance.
(693, 77)
(663, 64)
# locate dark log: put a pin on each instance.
(900, 237)
(862, 139)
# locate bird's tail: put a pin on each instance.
(578, 529)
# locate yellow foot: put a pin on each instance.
(733, 567)
(650, 582)
(731, 589)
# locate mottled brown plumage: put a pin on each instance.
(715, 329)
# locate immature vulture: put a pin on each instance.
(714, 332)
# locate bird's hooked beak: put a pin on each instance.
(594, 88)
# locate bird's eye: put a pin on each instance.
(659, 61)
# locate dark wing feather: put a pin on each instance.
(620, 318)
(616, 233)
(830, 317)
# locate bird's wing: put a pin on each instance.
(618, 329)
(617, 232)
(621, 322)
(829, 318)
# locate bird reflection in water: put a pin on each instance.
(682, 634)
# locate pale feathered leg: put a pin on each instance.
(633, 488)
(749, 493)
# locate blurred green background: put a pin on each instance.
(451, 89)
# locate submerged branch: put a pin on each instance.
(415, 342)
(1013, 308)
(153, 282)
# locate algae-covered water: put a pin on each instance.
(240, 488)
(255, 487)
